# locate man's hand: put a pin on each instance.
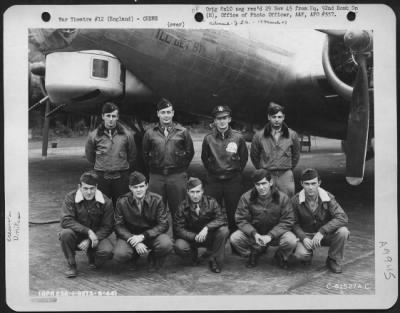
(135, 239)
(266, 239)
(259, 240)
(93, 238)
(317, 240)
(84, 245)
(201, 236)
(307, 242)
(141, 248)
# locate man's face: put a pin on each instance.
(277, 119)
(139, 190)
(222, 123)
(88, 191)
(196, 193)
(263, 187)
(311, 187)
(165, 115)
(110, 119)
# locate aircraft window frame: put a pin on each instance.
(107, 68)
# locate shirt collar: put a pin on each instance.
(322, 193)
(194, 205)
(98, 196)
(119, 129)
(169, 127)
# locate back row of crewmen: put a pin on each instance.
(264, 214)
(168, 150)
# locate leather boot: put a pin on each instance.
(71, 271)
(91, 260)
(155, 263)
(151, 262)
(214, 266)
(280, 259)
(195, 256)
(333, 266)
(253, 259)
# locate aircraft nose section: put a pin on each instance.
(52, 39)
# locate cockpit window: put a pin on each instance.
(100, 68)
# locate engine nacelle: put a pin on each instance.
(84, 77)
(89, 77)
(339, 65)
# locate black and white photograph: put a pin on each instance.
(216, 151)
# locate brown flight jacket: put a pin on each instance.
(174, 152)
(117, 153)
(151, 221)
(224, 156)
(326, 219)
(81, 215)
(187, 224)
(273, 216)
(271, 155)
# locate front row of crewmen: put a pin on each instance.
(264, 217)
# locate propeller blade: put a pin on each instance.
(358, 124)
(43, 85)
(333, 32)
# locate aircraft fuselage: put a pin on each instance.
(198, 69)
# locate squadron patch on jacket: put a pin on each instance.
(232, 147)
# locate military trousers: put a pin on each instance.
(160, 247)
(113, 187)
(69, 245)
(245, 244)
(227, 192)
(284, 180)
(171, 187)
(335, 241)
(214, 243)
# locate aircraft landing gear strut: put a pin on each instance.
(45, 135)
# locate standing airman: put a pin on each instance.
(277, 149)
(111, 148)
(168, 151)
(224, 154)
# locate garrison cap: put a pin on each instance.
(308, 174)
(260, 174)
(220, 111)
(136, 178)
(193, 182)
(163, 104)
(109, 107)
(89, 178)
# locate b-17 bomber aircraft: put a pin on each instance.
(323, 78)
